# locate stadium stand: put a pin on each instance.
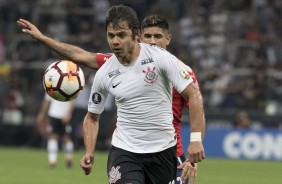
(234, 47)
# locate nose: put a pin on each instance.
(115, 40)
(152, 41)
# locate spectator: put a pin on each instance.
(242, 120)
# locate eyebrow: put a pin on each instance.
(119, 32)
(149, 34)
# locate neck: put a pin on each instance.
(131, 57)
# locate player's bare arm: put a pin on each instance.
(68, 51)
(90, 133)
(43, 111)
(193, 75)
(195, 152)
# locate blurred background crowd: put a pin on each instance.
(234, 47)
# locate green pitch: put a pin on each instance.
(29, 166)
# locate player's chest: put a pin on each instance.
(134, 81)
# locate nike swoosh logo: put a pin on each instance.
(115, 85)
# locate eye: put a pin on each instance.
(158, 36)
(122, 35)
(110, 35)
(147, 36)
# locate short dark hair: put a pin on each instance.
(154, 21)
(119, 13)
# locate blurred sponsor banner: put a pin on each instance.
(265, 144)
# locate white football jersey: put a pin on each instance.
(143, 97)
(57, 108)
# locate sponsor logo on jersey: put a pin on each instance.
(114, 174)
(184, 74)
(96, 98)
(146, 61)
(115, 85)
(150, 75)
(114, 73)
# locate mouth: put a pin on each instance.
(117, 50)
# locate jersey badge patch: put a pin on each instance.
(150, 75)
(96, 98)
(184, 74)
(114, 174)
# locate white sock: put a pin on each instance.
(52, 148)
(68, 148)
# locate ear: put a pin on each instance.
(168, 38)
(138, 35)
(141, 37)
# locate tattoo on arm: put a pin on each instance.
(69, 51)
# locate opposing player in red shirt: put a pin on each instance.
(155, 31)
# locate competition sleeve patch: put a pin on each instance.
(96, 98)
(184, 74)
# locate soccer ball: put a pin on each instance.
(63, 80)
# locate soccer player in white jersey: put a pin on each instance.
(140, 77)
(59, 114)
(155, 31)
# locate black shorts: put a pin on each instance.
(59, 127)
(151, 168)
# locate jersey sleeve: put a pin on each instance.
(176, 72)
(102, 58)
(98, 95)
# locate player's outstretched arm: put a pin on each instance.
(68, 51)
(195, 152)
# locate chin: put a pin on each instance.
(118, 54)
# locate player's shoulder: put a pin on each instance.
(152, 48)
(158, 54)
(108, 60)
(106, 68)
(102, 58)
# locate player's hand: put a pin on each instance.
(188, 171)
(86, 163)
(30, 29)
(196, 152)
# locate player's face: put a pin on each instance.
(120, 39)
(156, 36)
